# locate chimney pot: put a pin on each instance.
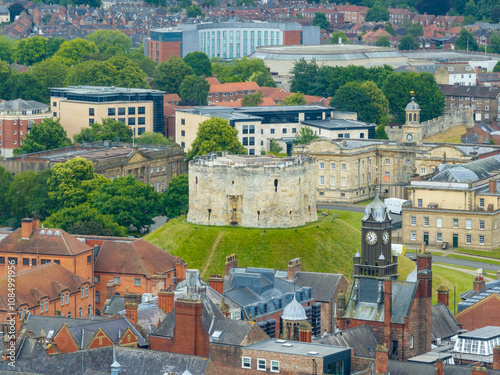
(479, 284)
(294, 266)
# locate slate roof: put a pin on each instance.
(410, 368)
(359, 338)
(444, 324)
(403, 295)
(470, 91)
(35, 323)
(137, 257)
(98, 361)
(22, 105)
(323, 285)
(469, 172)
(43, 241)
(471, 297)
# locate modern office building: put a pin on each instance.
(226, 40)
(77, 107)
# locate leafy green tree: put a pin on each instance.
(497, 67)
(151, 138)
(128, 73)
(185, 4)
(15, 10)
(25, 86)
(415, 29)
(72, 51)
(247, 3)
(199, 62)
(468, 20)
(53, 45)
(294, 99)
(495, 14)
(304, 77)
(144, 63)
(47, 135)
(94, 73)
(320, 20)
(169, 75)
(6, 48)
(110, 129)
(263, 79)
(84, 219)
(175, 201)
(132, 203)
(31, 50)
(5, 182)
(380, 132)
(397, 87)
(110, 42)
(194, 11)
(366, 99)
(5, 76)
(50, 73)
(215, 134)
(90, 3)
(407, 43)
(388, 27)
(377, 14)
(383, 41)
(240, 70)
(72, 182)
(274, 147)
(494, 46)
(338, 35)
(252, 100)
(471, 9)
(305, 135)
(209, 3)
(466, 41)
(194, 88)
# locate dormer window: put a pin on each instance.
(450, 69)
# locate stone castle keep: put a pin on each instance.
(251, 191)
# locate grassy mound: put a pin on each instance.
(324, 246)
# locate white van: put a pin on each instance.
(395, 205)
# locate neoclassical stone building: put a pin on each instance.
(251, 191)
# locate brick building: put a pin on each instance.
(398, 313)
(230, 92)
(17, 117)
(48, 290)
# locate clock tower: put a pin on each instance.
(376, 259)
(412, 129)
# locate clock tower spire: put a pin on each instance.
(376, 258)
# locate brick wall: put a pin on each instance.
(165, 50)
(483, 313)
(292, 37)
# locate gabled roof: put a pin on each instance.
(22, 105)
(469, 172)
(444, 324)
(137, 257)
(36, 283)
(43, 241)
(359, 338)
(233, 86)
(470, 91)
(323, 285)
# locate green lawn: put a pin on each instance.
(490, 254)
(364, 203)
(449, 278)
(489, 261)
(488, 273)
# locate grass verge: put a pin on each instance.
(450, 278)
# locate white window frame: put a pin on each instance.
(481, 224)
(322, 180)
(246, 365)
(481, 240)
(422, 170)
(137, 281)
(468, 239)
(439, 222)
(455, 221)
(413, 236)
(387, 161)
(332, 180)
(321, 165)
(343, 181)
(259, 364)
(275, 363)
(426, 221)
(332, 165)
(413, 220)
(343, 166)
(439, 237)
(468, 224)
(481, 202)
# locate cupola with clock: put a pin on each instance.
(412, 129)
(376, 258)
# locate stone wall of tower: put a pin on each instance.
(259, 195)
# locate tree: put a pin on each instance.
(383, 41)
(495, 14)
(194, 88)
(6, 48)
(380, 132)
(397, 87)
(31, 50)
(110, 129)
(199, 62)
(388, 27)
(50, 73)
(132, 203)
(364, 98)
(90, 3)
(15, 10)
(294, 99)
(47, 135)
(151, 138)
(84, 219)
(160, 3)
(110, 42)
(496, 69)
(53, 45)
(5, 74)
(169, 74)
(274, 147)
(209, 3)
(466, 41)
(407, 43)
(72, 182)
(247, 3)
(240, 70)
(252, 100)
(471, 9)
(175, 201)
(304, 76)
(72, 51)
(194, 11)
(377, 14)
(338, 35)
(305, 135)
(128, 73)
(494, 46)
(144, 63)
(263, 79)
(320, 20)
(215, 134)
(5, 182)
(25, 86)
(93, 73)
(415, 29)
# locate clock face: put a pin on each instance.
(385, 237)
(409, 137)
(371, 238)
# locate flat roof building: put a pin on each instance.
(77, 107)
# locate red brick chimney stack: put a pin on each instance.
(231, 262)
(131, 312)
(382, 360)
(476, 370)
(439, 366)
(180, 271)
(492, 186)
(496, 358)
(166, 300)
(479, 284)
(387, 311)
(190, 336)
(216, 282)
(110, 289)
(294, 266)
(27, 227)
(444, 295)
(305, 332)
